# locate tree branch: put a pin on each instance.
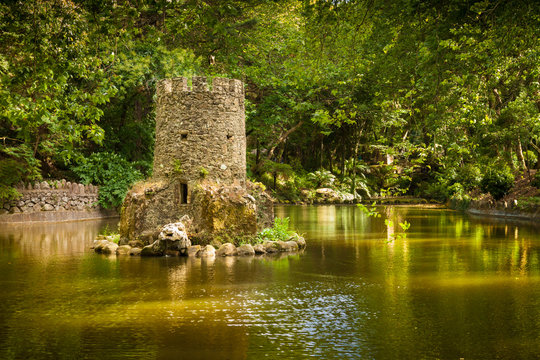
(284, 137)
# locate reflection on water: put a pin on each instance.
(453, 288)
(45, 240)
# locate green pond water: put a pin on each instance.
(455, 287)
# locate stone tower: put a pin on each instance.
(200, 130)
(199, 165)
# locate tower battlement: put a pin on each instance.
(200, 84)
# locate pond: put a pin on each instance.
(454, 287)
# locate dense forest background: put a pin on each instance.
(428, 98)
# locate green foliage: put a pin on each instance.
(53, 89)
(497, 182)
(405, 225)
(277, 168)
(81, 78)
(10, 173)
(110, 234)
(115, 238)
(398, 235)
(107, 230)
(280, 177)
(112, 173)
(437, 190)
(321, 178)
(278, 232)
(177, 167)
(355, 184)
(459, 199)
(203, 173)
(531, 203)
(469, 176)
(394, 97)
(371, 211)
(453, 184)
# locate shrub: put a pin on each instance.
(278, 232)
(459, 199)
(531, 203)
(360, 186)
(321, 178)
(18, 166)
(456, 189)
(437, 190)
(112, 173)
(497, 182)
(277, 170)
(469, 176)
(10, 173)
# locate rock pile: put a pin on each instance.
(173, 241)
(326, 196)
(331, 196)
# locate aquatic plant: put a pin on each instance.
(371, 211)
(404, 227)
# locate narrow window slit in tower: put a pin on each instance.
(183, 135)
(183, 193)
(229, 136)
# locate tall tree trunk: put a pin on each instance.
(343, 163)
(520, 156)
(508, 155)
(538, 150)
(354, 169)
(322, 152)
(258, 152)
(331, 160)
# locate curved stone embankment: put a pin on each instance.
(504, 209)
(506, 214)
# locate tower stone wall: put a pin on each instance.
(200, 130)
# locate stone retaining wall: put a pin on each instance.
(57, 200)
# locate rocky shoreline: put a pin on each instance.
(395, 200)
(108, 247)
(173, 240)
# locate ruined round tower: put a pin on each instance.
(200, 130)
(199, 166)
